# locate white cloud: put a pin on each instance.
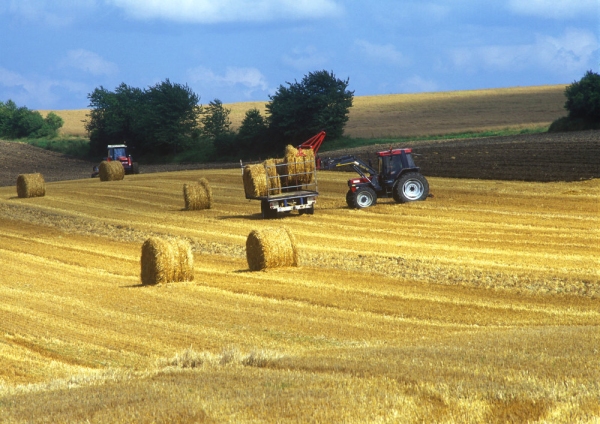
(90, 62)
(386, 53)
(216, 11)
(34, 92)
(52, 13)
(573, 52)
(305, 59)
(250, 78)
(555, 9)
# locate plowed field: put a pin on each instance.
(480, 304)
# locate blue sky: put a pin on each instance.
(53, 53)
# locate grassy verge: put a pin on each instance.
(350, 142)
(78, 147)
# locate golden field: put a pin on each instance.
(419, 114)
(481, 304)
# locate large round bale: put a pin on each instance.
(255, 180)
(197, 196)
(166, 261)
(31, 185)
(111, 171)
(271, 248)
(300, 165)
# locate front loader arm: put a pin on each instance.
(357, 164)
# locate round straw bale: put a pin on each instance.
(31, 185)
(271, 248)
(166, 260)
(274, 181)
(111, 171)
(255, 180)
(197, 196)
(300, 165)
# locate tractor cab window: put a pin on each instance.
(390, 166)
(117, 152)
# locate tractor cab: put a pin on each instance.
(391, 164)
(117, 152)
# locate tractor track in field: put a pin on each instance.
(528, 157)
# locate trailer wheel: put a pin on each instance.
(363, 198)
(411, 187)
(266, 211)
(308, 211)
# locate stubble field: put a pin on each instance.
(480, 304)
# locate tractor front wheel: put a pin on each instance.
(411, 187)
(349, 197)
(363, 198)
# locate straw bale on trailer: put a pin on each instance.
(272, 168)
(271, 248)
(300, 165)
(166, 260)
(255, 180)
(197, 196)
(111, 171)
(31, 185)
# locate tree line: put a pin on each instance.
(167, 118)
(21, 122)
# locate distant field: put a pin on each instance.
(477, 305)
(398, 115)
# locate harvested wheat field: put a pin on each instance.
(481, 304)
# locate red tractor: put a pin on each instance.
(119, 152)
(397, 176)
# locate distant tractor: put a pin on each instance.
(118, 152)
(397, 176)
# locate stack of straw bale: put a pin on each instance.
(299, 165)
(271, 248)
(263, 178)
(197, 196)
(111, 171)
(31, 185)
(166, 260)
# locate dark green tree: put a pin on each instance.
(216, 126)
(319, 102)
(161, 119)
(583, 105)
(252, 137)
(583, 97)
(20, 122)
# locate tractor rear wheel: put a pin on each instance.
(363, 198)
(411, 187)
(135, 169)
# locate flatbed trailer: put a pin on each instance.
(301, 196)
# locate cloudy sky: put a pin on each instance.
(53, 53)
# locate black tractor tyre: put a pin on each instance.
(135, 169)
(411, 187)
(349, 197)
(363, 198)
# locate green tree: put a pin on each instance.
(20, 122)
(253, 133)
(216, 126)
(319, 102)
(161, 119)
(583, 105)
(583, 97)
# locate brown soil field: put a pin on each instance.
(402, 115)
(477, 305)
